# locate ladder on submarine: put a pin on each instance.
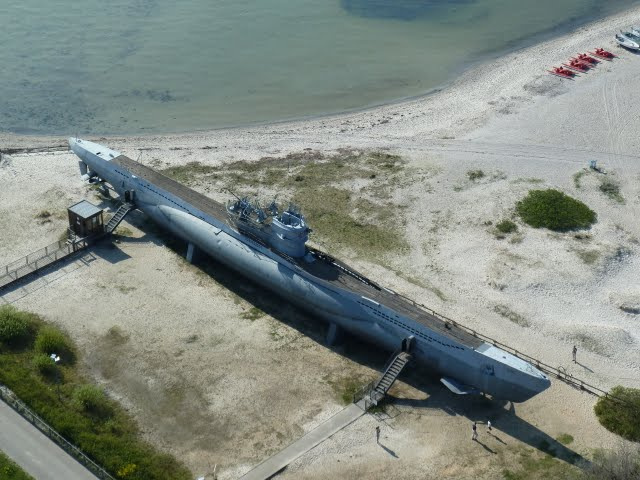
(114, 221)
(390, 375)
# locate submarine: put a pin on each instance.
(269, 246)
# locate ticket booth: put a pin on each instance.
(85, 219)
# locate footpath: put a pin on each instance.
(35, 452)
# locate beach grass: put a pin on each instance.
(9, 470)
(364, 222)
(77, 409)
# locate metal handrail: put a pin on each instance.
(560, 373)
(19, 406)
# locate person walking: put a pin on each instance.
(489, 426)
(474, 427)
(574, 352)
(378, 434)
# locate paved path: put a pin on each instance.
(273, 465)
(35, 452)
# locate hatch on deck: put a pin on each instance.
(85, 219)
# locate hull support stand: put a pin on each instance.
(190, 250)
(335, 335)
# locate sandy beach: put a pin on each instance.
(213, 385)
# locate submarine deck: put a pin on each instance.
(328, 269)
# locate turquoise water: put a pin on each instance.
(132, 66)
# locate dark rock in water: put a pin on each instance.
(397, 9)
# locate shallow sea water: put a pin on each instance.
(134, 66)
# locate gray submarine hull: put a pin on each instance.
(481, 366)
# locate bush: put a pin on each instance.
(91, 399)
(9, 470)
(554, 210)
(506, 226)
(52, 340)
(611, 190)
(475, 175)
(17, 328)
(621, 417)
(45, 365)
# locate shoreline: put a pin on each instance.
(465, 76)
(470, 153)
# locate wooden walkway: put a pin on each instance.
(272, 465)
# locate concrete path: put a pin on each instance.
(274, 464)
(35, 452)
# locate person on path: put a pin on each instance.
(378, 434)
(475, 431)
(575, 350)
(489, 426)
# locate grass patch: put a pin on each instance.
(588, 256)
(123, 231)
(554, 210)
(577, 177)
(188, 173)
(346, 387)
(611, 189)
(11, 471)
(506, 226)
(125, 288)
(528, 180)
(588, 342)
(565, 438)
(365, 223)
(512, 316)
(44, 216)
(328, 210)
(621, 417)
(534, 465)
(474, 175)
(112, 440)
(254, 313)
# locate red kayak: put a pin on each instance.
(577, 66)
(583, 57)
(561, 72)
(602, 53)
(576, 61)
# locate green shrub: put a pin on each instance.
(506, 226)
(10, 471)
(17, 328)
(565, 438)
(91, 399)
(611, 190)
(554, 210)
(45, 365)
(621, 417)
(51, 340)
(475, 175)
